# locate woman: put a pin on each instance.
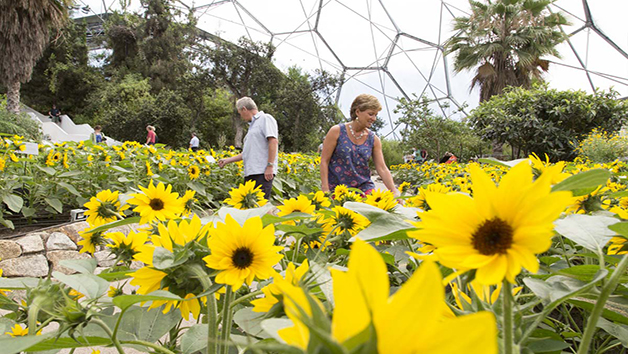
(151, 138)
(348, 147)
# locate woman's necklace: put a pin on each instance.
(357, 137)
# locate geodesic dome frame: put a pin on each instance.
(394, 49)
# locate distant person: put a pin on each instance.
(448, 158)
(348, 147)
(194, 143)
(97, 136)
(151, 138)
(259, 153)
(55, 114)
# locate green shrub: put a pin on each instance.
(17, 124)
(601, 146)
(393, 152)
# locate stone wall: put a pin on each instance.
(39, 253)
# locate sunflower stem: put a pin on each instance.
(114, 340)
(226, 320)
(212, 333)
(507, 325)
(296, 250)
(157, 348)
(245, 298)
(591, 327)
(323, 243)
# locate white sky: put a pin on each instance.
(361, 34)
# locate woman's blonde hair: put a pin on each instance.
(364, 102)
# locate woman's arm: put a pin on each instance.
(329, 145)
(382, 169)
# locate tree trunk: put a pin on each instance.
(13, 97)
(498, 150)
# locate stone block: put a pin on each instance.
(72, 230)
(28, 266)
(55, 257)
(59, 241)
(9, 249)
(30, 243)
(105, 258)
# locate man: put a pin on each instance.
(259, 152)
(194, 143)
(55, 114)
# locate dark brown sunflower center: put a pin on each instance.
(156, 204)
(493, 237)
(242, 258)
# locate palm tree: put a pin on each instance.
(505, 40)
(25, 27)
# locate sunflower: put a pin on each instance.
(178, 280)
(345, 220)
(14, 158)
(125, 247)
(419, 200)
(194, 171)
(3, 164)
(412, 320)
(272, 292)
(66, 165)
(18, 330)
(90, 240)
(104, 208)
(384, 200)
(246, 196)
(149, 171)
(242, 253)
(113, 292)
(618, 245)
(156, 203)
(320, 200)
(301, 204)
(188, 201)
(594, 201)
(340, 190)
(499, 230)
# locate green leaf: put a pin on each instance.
(610, 312)
(194, 339)
(388, 258)
(164, 259)
(49, 170)
(493, 161)
(559, 288)
(621, 228)
(384, 225)
(81, 265)
(28, 212)
(113, 276)
(242, 215)
(14, 202)
(125, 301)
(120, 169)
(140, 324)
(55, 203)
(588, 179)
(70, 188)
(127, 221)
(297, 229)
(66, 342)
(272, 219)
(198, 188)
(546, 345)
(71, 174)
(589, 231)
(616, 330)
(16, 345)
(250, 322)
(18, 283)
(90, 285)
(272, 325)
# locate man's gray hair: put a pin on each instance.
(246, 102)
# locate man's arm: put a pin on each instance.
(223, 162)
(273, 144)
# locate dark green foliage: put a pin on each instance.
(393, 151)
(436, 134)
(63, 76)
(547, 121)
(17, 124)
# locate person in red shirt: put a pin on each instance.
(152, 137)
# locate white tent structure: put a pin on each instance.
(393, 49)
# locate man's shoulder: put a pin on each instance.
(266, 115)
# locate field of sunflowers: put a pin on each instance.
(486, 257)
